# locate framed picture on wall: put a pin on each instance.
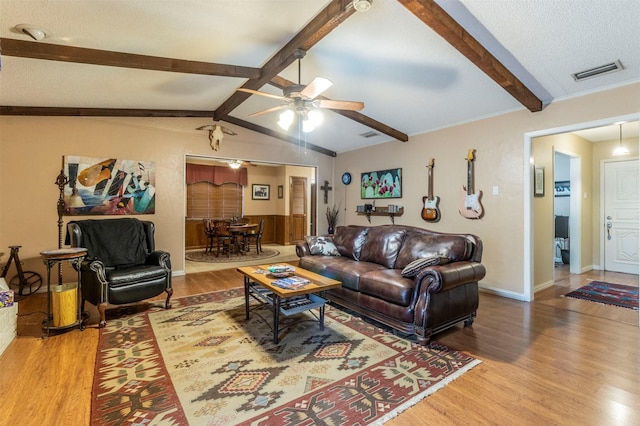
(538, 181)
(381, 184)
(280, 191)
(260, 191)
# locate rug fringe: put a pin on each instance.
(413, 401)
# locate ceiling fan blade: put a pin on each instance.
(348, 105)
(266, 111)
(255, 92)
(316, 87)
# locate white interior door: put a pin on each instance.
(621, 216)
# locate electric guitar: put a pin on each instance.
(471, 207)
(430, 211)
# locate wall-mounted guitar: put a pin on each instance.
(471, 207)
(430, 211)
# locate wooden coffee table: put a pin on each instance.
(288, 302)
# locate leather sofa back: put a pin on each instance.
(395, 246)
(383, 245)
(418, 245)
(350, 239)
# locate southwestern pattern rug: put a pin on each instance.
(203, 363)
(609, 294)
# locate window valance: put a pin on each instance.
(216, 175)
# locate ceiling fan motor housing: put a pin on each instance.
(293, 91)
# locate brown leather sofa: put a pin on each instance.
(370, 261)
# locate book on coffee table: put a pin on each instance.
(291, 283)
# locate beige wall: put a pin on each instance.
(31, 150)
(500, 162)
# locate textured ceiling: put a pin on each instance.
(408, 77)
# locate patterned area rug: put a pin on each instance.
(610, 294)
(203, 363)
(201, 256)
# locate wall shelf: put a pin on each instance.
(382, 211)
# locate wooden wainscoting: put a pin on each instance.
(194, 237)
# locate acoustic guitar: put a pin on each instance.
(471, 207)
(430, 211)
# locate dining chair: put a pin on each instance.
(210, 233)
(255, 235)
(223, 236)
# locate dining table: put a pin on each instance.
(240, 230)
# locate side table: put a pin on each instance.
(75, 256)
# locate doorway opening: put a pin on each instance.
(529, 236)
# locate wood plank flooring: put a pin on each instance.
(542, 364)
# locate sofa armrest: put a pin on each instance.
(435, 279)
(302, 249)
(159, 258)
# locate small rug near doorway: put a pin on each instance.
(202, 362)
(201, 256)
(609, 294)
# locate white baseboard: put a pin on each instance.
(502, 293)
(542, 286)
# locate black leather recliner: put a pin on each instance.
(122, 265)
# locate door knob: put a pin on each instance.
(609, 225)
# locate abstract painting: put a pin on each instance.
(109, 186)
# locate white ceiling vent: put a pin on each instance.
(369, 134)
(594, 72)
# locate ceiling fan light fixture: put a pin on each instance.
(362, 5)
(286, 119)
(311, 120)
(620, 149)
(235, 164)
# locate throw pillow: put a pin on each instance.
(322, 246)
(414, 268)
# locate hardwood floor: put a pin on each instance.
(541, 364)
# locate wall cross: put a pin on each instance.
(326, 188)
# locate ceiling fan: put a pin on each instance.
(303, 100)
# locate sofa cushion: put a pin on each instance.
(134, 274)
(341, 268)
(350, 239)
(413, 268)
(382, 245)
(418, 245)
(388, 285)
(349, 273)
(322, 246)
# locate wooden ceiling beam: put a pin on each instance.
(99, 112)
(356, 116)
(322, 24)
(429, 12)
(57, 52)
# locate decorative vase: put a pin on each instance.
(330, 230)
